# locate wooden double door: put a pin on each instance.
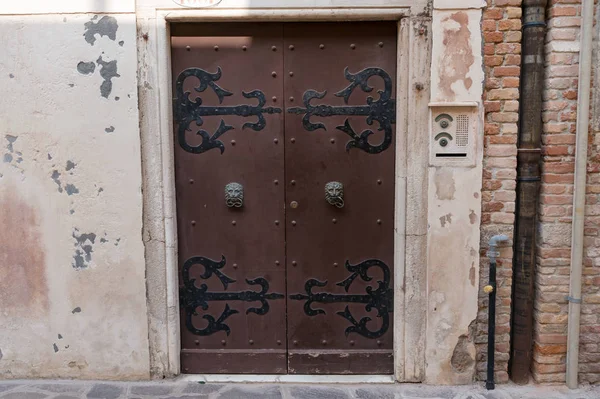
(284, 166)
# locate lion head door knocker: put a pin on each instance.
(234, 195)
(334, 193)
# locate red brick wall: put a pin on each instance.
(553, 263)
(501, 26)
(501, 33)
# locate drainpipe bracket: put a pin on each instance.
(573, 300)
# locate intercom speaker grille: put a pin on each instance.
(462, 130)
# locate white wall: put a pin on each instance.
(72, 287)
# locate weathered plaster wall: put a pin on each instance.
(454, 209)
(72, 287)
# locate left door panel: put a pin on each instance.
(228, 96)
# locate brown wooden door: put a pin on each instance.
(233, 314)
(289, 279)
(339, 258)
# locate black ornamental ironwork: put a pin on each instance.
(379, 299)
(187, 111)
(382, 110)
(192, 297)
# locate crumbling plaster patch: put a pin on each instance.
(71, 175)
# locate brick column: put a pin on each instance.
(553, 264)
(501, 27)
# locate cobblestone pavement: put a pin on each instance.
(177, 389)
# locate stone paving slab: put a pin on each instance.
(180, 389)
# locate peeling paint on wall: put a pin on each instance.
(458, 55)
(11, 156)
(71, 189)
(472, 272)
(473, 217)
(106, 26)
(86, 68)
(108, 70)
(445, 219)
(84, 246)
(55, 176)
(463, 356)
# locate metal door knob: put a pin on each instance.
(334, 193)
(488, 289)
(234, 195)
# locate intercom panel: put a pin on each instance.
(452, 128)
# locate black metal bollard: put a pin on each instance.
(490, 289)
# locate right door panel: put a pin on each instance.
(340, 245)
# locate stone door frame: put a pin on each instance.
(410, 224)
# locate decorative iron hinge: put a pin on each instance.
(382, 110)
(380, 298)
(192, 297)
(186, 111)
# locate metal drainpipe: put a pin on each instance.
(528, 179)
(583, 122)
